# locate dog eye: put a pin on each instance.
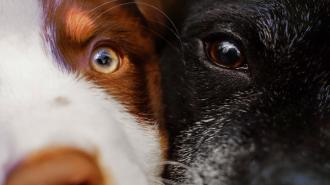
(105, 60)
(226, 53)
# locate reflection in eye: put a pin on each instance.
(225, 54)
(105, 60)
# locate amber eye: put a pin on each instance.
(105, 60)
(226, 54)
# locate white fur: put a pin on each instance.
(31, 119)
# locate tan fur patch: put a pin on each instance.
(79, 25)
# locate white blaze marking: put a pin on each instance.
(30, 83)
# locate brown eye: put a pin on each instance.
(105, 60)
(226, 54)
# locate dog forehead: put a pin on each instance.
(253, 10)
(21, 34)
(78, 20)
(282, 22)
(16, 18)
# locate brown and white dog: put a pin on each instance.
(78, 93)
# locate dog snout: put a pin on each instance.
(57, 167)
(290, 174)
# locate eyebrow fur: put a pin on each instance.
(79, 25)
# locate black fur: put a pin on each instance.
(268, 125)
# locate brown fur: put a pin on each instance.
(76, 27)
(81, 26)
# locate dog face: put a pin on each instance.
(78, 105)
(248, 98)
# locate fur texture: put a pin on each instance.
(264, 124)
(43, 105)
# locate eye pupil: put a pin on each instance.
(226, 54)
(103, 59)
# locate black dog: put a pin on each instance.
(248, 96)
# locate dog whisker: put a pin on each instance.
(168, 42)
(100, 6)
(176, 35)
(173, 30)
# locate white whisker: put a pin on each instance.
(101, 5)
(173, 31)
